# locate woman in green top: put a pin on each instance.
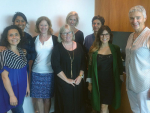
(105, 68)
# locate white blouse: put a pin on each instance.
(138, 62)
(42, 63)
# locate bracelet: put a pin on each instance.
(81, 76)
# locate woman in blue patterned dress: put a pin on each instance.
(13, 69)
(42, 77)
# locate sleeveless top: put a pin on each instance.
(138, 62)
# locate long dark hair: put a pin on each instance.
(19, 14)
(97, 43)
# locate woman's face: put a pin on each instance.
(66, 36)
(13, 37)
(96, 25)
(43, 27)
(105, 37)
(137, 21)
(20, 22)
(72, 20)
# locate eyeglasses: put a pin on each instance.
(65, 34)
(102, 35)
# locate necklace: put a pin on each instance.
(71, 58)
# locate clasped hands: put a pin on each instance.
(74, 82)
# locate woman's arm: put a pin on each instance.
(89, 78)
(120, 64)
(63, 77)
(31, 53)
(8, 87)
(90, 87)
(2, 48)
(82, 66)
(79, 78)
(28, 87)
(55, 61)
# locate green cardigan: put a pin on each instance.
(117, 71)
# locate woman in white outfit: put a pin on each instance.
(42, 79)
(138, 62)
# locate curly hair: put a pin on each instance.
(97, 43)
(4, 37)
(100, 18)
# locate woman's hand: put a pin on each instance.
(25, 52)
(90, 87)
(28, 91)
(2, 48)
(28, 87)
(121, 78)
(78, 80)
(8, 87)
(13, 100)
(71, 81)
(148, 94)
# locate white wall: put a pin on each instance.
(56, 10)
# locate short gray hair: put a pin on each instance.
(73, 13)
(62, 29)
(138, 8)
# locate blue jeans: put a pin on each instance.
(18, 109)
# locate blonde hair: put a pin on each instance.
(50, 30)
(62, 29)
(73, 13)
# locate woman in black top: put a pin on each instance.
(73, 20)
(20, 20)
(68, 63)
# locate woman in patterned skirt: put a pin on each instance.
(42, 77)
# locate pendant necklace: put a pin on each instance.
(71, 58)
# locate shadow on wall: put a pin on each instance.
(31, 28)
(8, 22)
(59, 23)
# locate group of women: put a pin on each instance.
(59, 64)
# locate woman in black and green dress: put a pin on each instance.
(104, 72)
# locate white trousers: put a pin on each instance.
(139, 102)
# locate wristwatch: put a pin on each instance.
(82, 76)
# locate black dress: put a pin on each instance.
(105, 78)
(68, 99)
(79, 37)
